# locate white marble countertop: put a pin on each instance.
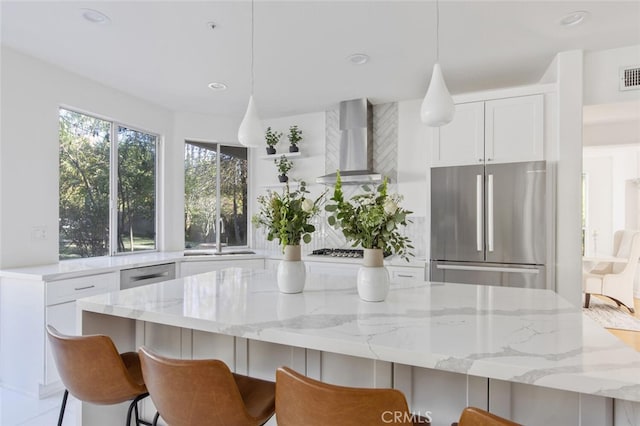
(103, 264)
(98, 265)
(518, 335)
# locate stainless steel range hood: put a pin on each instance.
(356, 145)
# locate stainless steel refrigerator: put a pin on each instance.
(488, 224)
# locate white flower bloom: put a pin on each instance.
(307, 205)
(390, 207)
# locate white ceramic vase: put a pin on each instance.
(373, 277)
(291, 271)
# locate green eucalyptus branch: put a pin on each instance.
(371, 220)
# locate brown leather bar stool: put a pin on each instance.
(304, 401)
(93, 371)
(472, 416)
(205, 392)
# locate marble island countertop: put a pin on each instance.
(518, 335)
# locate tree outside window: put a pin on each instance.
(94, 170)
(215, 195)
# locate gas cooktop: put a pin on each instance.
(355, 253)
(336, 252)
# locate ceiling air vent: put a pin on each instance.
(630, 78)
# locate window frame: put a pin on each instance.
(216, 147)
(113, 180)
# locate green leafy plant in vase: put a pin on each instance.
(287, 216)
(371, 220)
(295, 136)
(272, 138)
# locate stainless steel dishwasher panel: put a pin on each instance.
(136, 277)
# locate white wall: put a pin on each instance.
(32, 91)
(414, 178)
(567, 157)
(601, 75)
(609, 168)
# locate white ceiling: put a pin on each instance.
(164, 51)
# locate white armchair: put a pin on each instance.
(615, 281)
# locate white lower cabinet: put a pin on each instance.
(194, 267)
(26, 307)
(63, 318)
(400, 274)
(333, 268)
(397, 274)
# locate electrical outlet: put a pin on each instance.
(39, 233)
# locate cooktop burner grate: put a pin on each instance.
(355, 253)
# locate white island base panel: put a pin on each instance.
(524, 354)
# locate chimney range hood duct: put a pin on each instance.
(356, 145)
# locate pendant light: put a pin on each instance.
(437, 107)
(251, 132)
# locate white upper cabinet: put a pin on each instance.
(460, 142)
(514, 130)
(495, 131)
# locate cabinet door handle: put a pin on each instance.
(479, 219)
(84, 288)
(405, 276)
(490, 213)
(489, 159)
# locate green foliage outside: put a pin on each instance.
(84, 161)
(84, 185)
(200, 196)
(136, 190)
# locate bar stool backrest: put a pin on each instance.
(304, 401)
(91, 368)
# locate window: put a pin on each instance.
(102, 161)
(215, 190)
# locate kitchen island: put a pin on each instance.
(522, 353)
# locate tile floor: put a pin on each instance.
(17, 409)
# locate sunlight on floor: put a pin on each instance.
(631, 338)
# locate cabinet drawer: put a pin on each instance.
(401, 274)
(76, 288)
(195, 267)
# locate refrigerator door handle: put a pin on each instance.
(479, 220)
(490, 212)
(488, 269)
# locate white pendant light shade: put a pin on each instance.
(437, 107)
(251, 133)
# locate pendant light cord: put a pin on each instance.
(252, 37)
(437, 31)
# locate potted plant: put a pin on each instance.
(295, 136)
(284, 165)
(272, 138)
(371, 220)
(287, 217)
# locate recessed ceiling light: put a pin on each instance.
(358, 58)
(95, 16)
(211, 25)
(574, 18)
(217, 86)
